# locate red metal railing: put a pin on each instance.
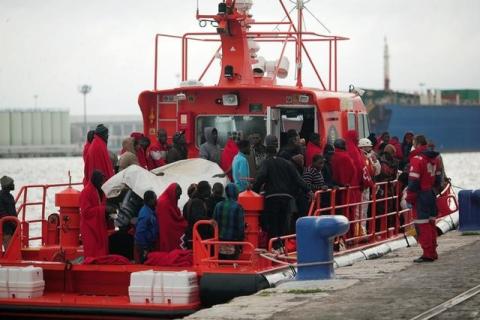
(386, 220)
(372, 220)
(10, 249)
(26, 203)
(259, 36)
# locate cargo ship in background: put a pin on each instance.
(450, 118)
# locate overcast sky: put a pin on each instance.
(49, 47)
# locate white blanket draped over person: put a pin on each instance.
(183, 172)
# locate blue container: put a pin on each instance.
(315, 244)
(469, 210)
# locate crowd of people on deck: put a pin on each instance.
(287, 174)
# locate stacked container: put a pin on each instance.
(141, 286)
(176, 288)
(3, 283)
(21, 282)
(164, 287)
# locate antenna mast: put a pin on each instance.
(298, 55)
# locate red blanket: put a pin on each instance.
(175, 258)
(85, 154)
(142, 158)
(343, 170)
(226, 158)
(171, 224)
(110, 259)
(93, 224)
(312, 149)
(98, 159)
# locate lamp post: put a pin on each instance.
(85, 89)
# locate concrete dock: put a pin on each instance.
(390, 287)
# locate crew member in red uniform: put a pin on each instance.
(97, 155)
(93, 217)
(424, 175)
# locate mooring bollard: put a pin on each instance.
(315, 245)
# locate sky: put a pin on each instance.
(49, 48)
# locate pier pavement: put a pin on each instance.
(390, 287)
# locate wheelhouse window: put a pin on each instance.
(351, 121)
(361, 126)
(246, 124)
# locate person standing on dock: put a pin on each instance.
(424, 175)
(97, 156)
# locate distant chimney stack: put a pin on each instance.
(386, 67)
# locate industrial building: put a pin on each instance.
(35, 132)
(119, 127)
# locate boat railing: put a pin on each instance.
(24, 204)
(447, 202)
(372, 220)
(10, 249)
(206, 251)
(282, 37)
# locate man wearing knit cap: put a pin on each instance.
(7, 207)
(98, 157)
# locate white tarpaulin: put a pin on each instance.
(184, 172)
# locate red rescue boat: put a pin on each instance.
(248, 98)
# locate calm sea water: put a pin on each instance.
(462, 168)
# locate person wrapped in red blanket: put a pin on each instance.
(171, 223)
(93, 217)
(344, 173)
(97, 157)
